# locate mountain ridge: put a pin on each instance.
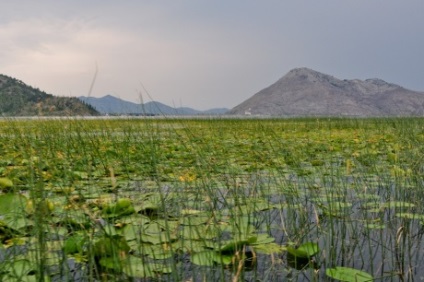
(112, 105)
(20, 99)
(306, 92)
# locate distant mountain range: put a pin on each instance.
(19, 99)
(115, 106)
(301, 92)
(305, 92)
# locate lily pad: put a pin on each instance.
(18, 269)
(348, 274)
(5, 183)
(139, 268)
(305, 250)
(113, 246)
(12, 203)
(410, 215)
(122, 207)
(205, 258)
(75, 244)
(398, 204)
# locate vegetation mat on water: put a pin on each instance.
(211, 200)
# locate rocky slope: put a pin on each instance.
(305, 92)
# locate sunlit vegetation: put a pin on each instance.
(211, 200)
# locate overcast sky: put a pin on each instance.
(206, 54)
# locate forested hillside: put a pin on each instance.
(19, 99)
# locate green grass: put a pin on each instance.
(211, 199)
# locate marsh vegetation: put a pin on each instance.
(212, 200)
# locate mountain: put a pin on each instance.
(305, 92)
(19, 99)
(115, 106)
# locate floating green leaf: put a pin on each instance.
(262, 239)
(205, 258)
(268, 248)
(111, 247)
(75, 244)
(348, 274)
(18, 269)
(233, 246)
(5, 183)
(305, 250)
(122, 207)
(410, 215)
(12, 203)
(140, 268)
(398, 204)
(375, 225)
(114, 263)
(195, 220)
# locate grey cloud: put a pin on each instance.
(207, 53)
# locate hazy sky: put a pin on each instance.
(206, 54)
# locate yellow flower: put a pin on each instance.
(187, 177)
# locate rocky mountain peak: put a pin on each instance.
(305, 92)
(309, 75)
